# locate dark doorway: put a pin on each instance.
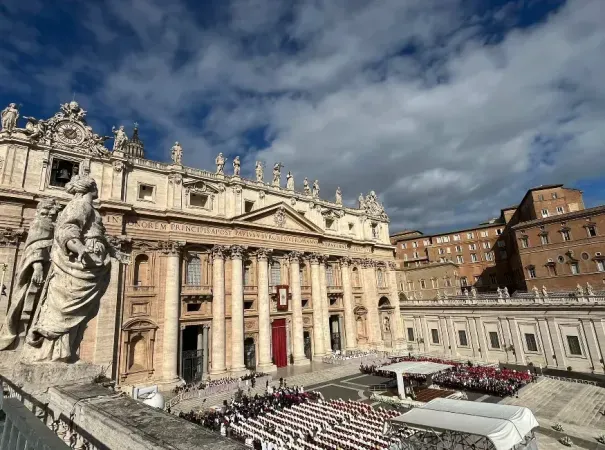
(307, 344)
(250, 354)
(191, 357)
(278, 335)
(335, 333)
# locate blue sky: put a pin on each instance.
(448, 109)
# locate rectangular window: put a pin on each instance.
(441, 251)
(459, 259)
(552, 270)
(541, 198)
(575, 268)
(330, 225)
(494, 341)
(439, 240)
(423, 284)
(145, 192)
(489, 256)
(448, 250)
(434, 283)
(591, 230)
(426, 242)
(404, 245)
(531, 272)
(62, 171)
(470, 235)
(463, 281)
(410, 285)
(435, 335)
(474, 257)
(484, 234)
(601, 266)
(499, 231)
(416, 255)
(544, 239)
(199, 200)
(456, 237)
(415, 244)
(554, 195)
(530, 341)
(486, 245)
(472, 247)
(411, 334)
(462, 338)
(493, 279)
(560, 210)
(574, 345)
(566, 235)
(458, 248)
(446, 238)
(524, 242)
(248, 206)
(351, 227)
(448, 282)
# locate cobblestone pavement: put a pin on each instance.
(576, 406)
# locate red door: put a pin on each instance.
(278, 335)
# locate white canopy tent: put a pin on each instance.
(458, 424)
(413, 368)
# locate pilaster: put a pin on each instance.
(557, 345)
(546, 343)
(517, 344)
(595, 354)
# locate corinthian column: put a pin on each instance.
(396, 325)
(325, 319)
(172, 300)
(371, 301)
(350, 331)
(237, 312)
(318, 333)
(265, 363)
(298, 352)
(218, 311)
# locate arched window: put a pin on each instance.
(330, 275)
(194, 271)
(275, 273)
(141, 270)
(248, 273)
(355, 277)
(380, 277)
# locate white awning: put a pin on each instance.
(504, 425)
(416, 367)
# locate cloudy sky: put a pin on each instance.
(448, 109)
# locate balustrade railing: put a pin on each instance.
(519, 298)
(249, 289)
(139, 288)
(194, 288)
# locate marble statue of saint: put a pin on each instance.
(35, 128)
(277, 174)
(236, 166)
(499, 292)
(506, 294)
(473, 292)
(290, 181)
(338, 196)
(535, 291)
(362, 202)
(176, 152)
(387, 324)
(589, 289)
(78, 277)
(259, 171)
(306, 188)
(579, 290)
(10, 114)
(120, 138)
(544, 292)
(32, 271)
(220, 164)
(315, 191)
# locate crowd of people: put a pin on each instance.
(249, 378)
(486, 379)
(287, 418)
(349, 355)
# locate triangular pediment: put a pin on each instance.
(280, 216)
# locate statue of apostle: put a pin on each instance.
(220, 164)
(120, 138)
(10, 114)
(236, 166)
(176, 152)
(338, 196)
(290, 181)
(259, 171)
(306, 188)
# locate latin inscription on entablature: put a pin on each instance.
(110, 219)
(335, 245)
(274, 237)
(361, 248)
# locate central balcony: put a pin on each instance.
(335, 289)
(196, 290)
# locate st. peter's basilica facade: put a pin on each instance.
(214, 274)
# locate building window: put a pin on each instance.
(554, 195)
(503, 254)
(560, 210)
(248, 206)
(472, 247)
(375, 231)
(544, 239)
(62, 172)
(405, 257)
(459, 259)
(275, 273)
(448, 250)
(600, 266)
(141, 271)
(380, 277)
(585, 256)
(411, 334)
(486, 245)
(145, 192)
(442, 251)
(591, 230)
(463, 281)
(524, 242)
(351, 227)
(484, 234)
(498, 231)
(575, 268)
(199, 200)
(426, 242)
(415, 244)
(530, 341)
(416, 256)
(456, 237)
(446, 238)
(552, 270)
(462, 338)
(448, 282)
(435, 335)
(541, 197)
(434, 283)
(423, 284)
(404, 245)
(458, 248)
(566, 235)
(470, 235)
(330, 226)
(493, 279)
(474, 257)
(494, 340)
(330, 276)
(561, 259)
(248, 281)
(355, 276)
(574, 345)
(194, 271)
(531, 272)
(489, 256)
(410, 285)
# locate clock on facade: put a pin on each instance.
(70, 133)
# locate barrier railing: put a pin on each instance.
(571, 380)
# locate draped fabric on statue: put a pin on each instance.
(280, 354)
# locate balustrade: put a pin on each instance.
(140, 289)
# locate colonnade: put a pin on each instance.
(320, 303)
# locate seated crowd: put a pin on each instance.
(251, 378)
(358, 354)
(292, 419)
(487, 379)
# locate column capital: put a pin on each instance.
(263, 254)
(171, 248)
(345, 261)
(237, 251)
(392, 265)
(314, 258)
(219, 251)
(295, 256)
(368, 263)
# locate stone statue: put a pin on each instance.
(579, 290)
(32, 271)
(506, 294)
(387, 324)
(362, 202)
(473, 292)
(544, 292)
(10, 114)
(499, 292)
(35, 128)
(78, 277)
(277, 174)
(306, 188)
(73, 111)
(120, 138)
(236, 166)
(589, 289)
(290, 181)
(259, 171)
(536, 292)
(220, 164)
(466, 292)
(176, 152)
(338, 196)
(315, 191)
